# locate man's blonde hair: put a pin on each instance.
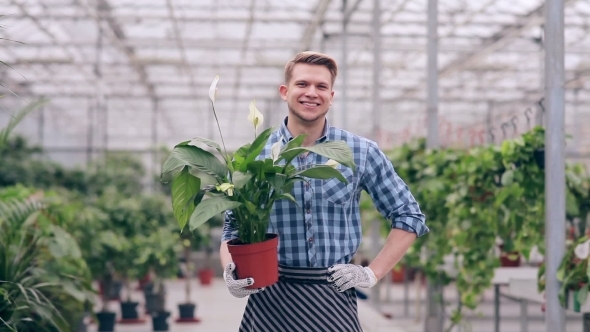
(312, 58)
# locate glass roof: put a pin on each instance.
(127, 74)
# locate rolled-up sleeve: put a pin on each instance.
(390, 194)
(229, 230)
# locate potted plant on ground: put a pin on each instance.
(203, 186)
(159, 256)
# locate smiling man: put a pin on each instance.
(316, 284)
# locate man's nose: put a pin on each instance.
(311, 92)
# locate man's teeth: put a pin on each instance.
(310, 104)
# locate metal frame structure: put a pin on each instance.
(132, 75)
(123, 55)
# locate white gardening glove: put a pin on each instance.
(346, 276)
(237, 286)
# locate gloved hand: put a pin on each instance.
(346, 276)
(237, 286)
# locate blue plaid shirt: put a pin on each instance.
(329, 229)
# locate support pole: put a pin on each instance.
(432, 97)
(155, 151)
(376, 245)
(376, 66)
(434, 312)
(89, 132)
(344, 66)
(554, 159)
(41, 127)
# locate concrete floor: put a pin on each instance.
(480, 320)
(219, 311)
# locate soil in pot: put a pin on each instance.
(258, 261)
(159, 321)
(206, 276)
(106, 321)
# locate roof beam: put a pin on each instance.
(180, 44)
(117, 36)
(389, 44)
(317, 20)
(54, 39)
(490, 45)
(187, 97)
(293, 16)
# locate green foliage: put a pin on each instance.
(474, 198)
(44, 281)
(204, 186)
(15, 119)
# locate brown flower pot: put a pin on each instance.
(398, 274)
(205, 276)
(258, 261)
(507, 259)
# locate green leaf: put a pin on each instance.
(256, 147)
(337, 150)
(209, 208)
(240, 155)
(207, 141)
(507, 177)
(184, 188)
(17, 118)
(583, 294)
(294, 143)
(240, 179)
(289, 197)
(571, 204)
(322, 172)
(196, 157)
(277, 180)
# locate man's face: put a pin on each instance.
(309, 92)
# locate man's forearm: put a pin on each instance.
(397, 244)
(224, 254)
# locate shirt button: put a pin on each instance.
(311, 239)
(308, 211)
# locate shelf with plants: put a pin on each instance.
(484, 206)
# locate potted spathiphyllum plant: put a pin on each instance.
(204, 186)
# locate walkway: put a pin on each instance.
(219, 311)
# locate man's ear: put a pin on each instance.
(283, 91)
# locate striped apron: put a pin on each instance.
(301, 301)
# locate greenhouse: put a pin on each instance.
(145, 147)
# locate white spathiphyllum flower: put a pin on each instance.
(332, 163)
(275, 151)
(255, 117)
(226, 187)
(213, 89)
(582, 250)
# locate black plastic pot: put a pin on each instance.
(106, 321)
(159, 321)
(129, 310)
(187, 310)
(539, 155)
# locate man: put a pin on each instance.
(315, 291)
